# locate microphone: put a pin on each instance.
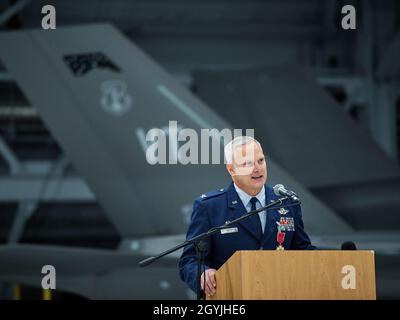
(349, 245)
(280, 190)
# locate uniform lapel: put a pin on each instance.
(237, 209)
(272, 216)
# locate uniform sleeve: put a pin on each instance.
(301, 241)
(199, 223)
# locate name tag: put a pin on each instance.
(229, 230)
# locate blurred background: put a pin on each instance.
(76, 191)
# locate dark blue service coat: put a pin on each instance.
(215, 208)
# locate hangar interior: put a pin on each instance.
(324, 103)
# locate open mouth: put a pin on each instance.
(257, 178)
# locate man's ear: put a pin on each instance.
(230, 169)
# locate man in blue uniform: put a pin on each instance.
(247, 166)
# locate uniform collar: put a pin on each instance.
(245, 197)
(237, 209)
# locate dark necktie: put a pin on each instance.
(256, 217)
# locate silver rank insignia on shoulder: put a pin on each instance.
(283, 211)
(221, 190)
(203, 196)
(234, 202)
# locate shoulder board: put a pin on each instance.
(212, 194)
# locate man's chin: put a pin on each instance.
(258, 184)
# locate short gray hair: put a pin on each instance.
(235, 143)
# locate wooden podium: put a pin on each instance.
(297, 275)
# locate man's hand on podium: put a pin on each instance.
(211, 282)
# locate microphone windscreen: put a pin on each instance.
(276, 189)
(349, 245)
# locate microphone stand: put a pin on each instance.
(200, 245)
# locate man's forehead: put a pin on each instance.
(248, 150)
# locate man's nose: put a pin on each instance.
(256, 167)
